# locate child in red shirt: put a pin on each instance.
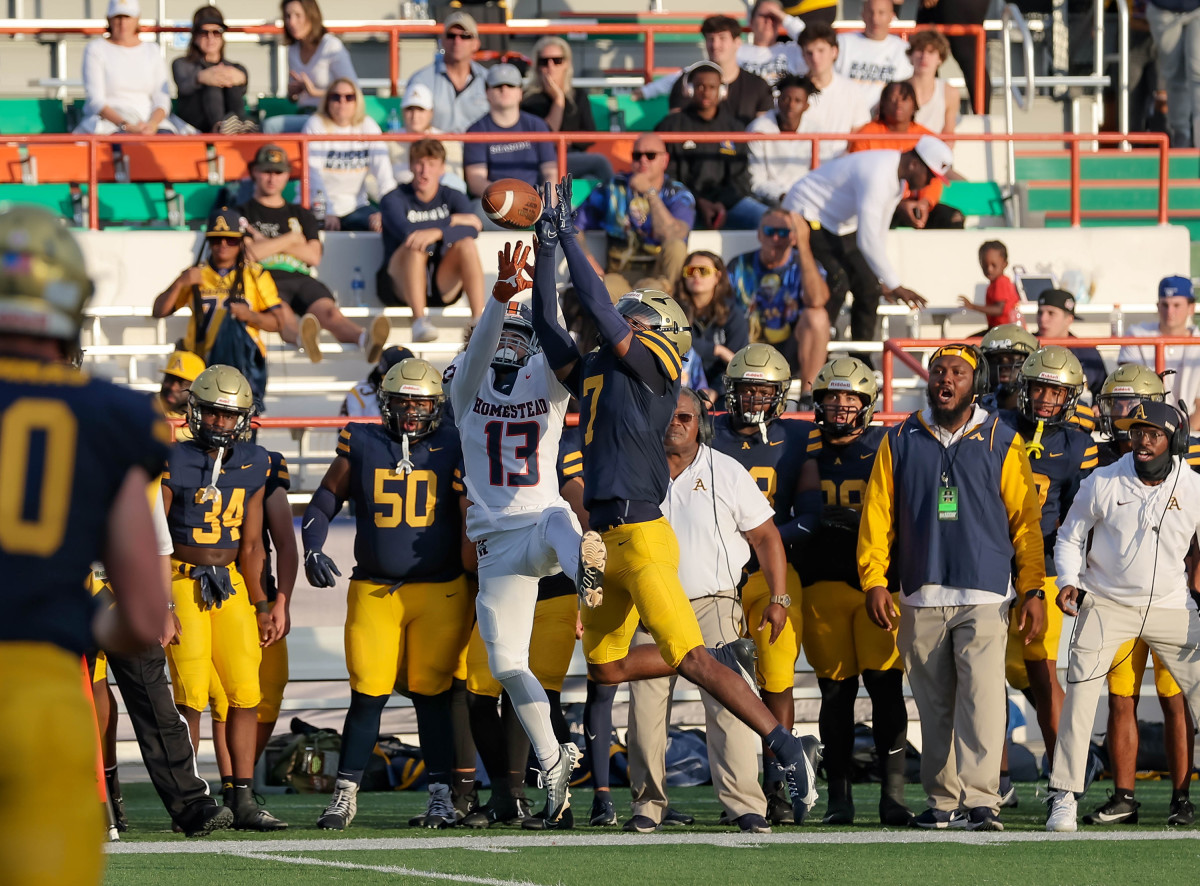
(1000, 305)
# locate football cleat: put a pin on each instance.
(779, 804)
(740, 656)
(839, 811)
(557, 780)
(939, 820)
(342, 808)
(894, 813)
(604, 814)
(216, 818)
(253, 818)
(440, 811)
(593, 556)
(753, 824)
(1118, 810)
(981, 818)
(673, 818)
(1182, 812)
(1063, 810)
(542, 822)
(640, 824)
(800, 774)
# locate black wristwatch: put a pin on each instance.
(1039, 593)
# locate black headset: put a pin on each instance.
(979, 379)
(705, 430)
(1181, 440)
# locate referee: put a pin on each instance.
(718, 514)
(1141, 513)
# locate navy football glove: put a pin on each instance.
(563, 212)
(547, 224)
(320, 569)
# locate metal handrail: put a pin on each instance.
(1123, 69)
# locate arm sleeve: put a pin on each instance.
(1024, 517)
(185, 71)
(473, 367)
(1070, 548)
(807, 515)
(593, 295)
(556, 343)
(872, 231)
(314, 528)
(877, 531)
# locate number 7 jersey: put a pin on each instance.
(510, 448)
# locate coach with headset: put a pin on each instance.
(718, 514)
(1141, 513)
(950, 503)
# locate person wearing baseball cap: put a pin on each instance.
(455, 80)
(172, 397)
(1176, 309)
(1056, 313)
(1124, 541)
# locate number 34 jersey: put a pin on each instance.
(408, 524)
(510, 448)
(215, 521)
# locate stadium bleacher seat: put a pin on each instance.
(274, 106)
(378, 108)
(35, 116)
(633, 116)
(975, 198)
(55, 197)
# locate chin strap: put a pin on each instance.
(404, 467)
(1034, 447)
(211, 492)
(762, 428)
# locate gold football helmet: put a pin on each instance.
(1125, 386)
(44, 284)
(845, 374)
(220, 391)
(756, 366)
(400, 394)
(1006, 348)
(1056, 366)
(656, 310)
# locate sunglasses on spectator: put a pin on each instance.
(645, 155)
(342, 97)
(684, 418)
(698, 271)
(547, 60)
(458, 35)
(781, 233)
(209, 32)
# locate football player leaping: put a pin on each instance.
(630, 387)
(510, 407)
(408, 609)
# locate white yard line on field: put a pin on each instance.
(381, 868)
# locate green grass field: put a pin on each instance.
(381, 848)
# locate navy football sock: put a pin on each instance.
(597, 726)
(435, 728)
(889, 718)
(836, 721)
(557, 719)
(489, 735)
(360, 732)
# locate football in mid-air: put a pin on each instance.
(512, 203)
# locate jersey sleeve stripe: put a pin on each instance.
(572, 470)
(663, 351)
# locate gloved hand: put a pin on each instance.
(563, 212)
(843, 519)
(547, 224)
(320, 569)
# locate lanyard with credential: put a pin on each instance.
(947, 501)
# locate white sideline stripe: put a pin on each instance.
(382, 868)
(235, 847)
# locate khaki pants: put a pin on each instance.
(662, 274)
(1102, 627)
(954, 659)
(732, 745)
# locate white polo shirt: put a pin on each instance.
(839, 107)
(872, 64)
(710, 505)
(1185, 361)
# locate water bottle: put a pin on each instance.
(318, 207)
(358, 289)
(1116, 322)
(393, 121)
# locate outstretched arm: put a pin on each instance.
(486, 338)
(556, 342)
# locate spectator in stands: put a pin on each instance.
(551, 96)
(782, 289)
(765, 55)
(961, 12)
(1176, 308)
(937, 100)
(647, 218)
(924, 208)
(416, 110)
(718, 320)
(1175, 27)
(212, 91)
(429, 250)
(362, 401)
(1001, 302)
(837, 105)
(338, 170)
(943, 480)
(777, 165)
(849, 202)
(1056, 313)
(874, 58)
(125, 80)
(315, 59)
(487, 162)
(172, 397)
(228, 293)
(455, 79)
(285, 239)
(717, 173)
(748, 95)
(813, 12)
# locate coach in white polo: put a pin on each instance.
(1141, 513)
(718, 514)
(848, 202)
